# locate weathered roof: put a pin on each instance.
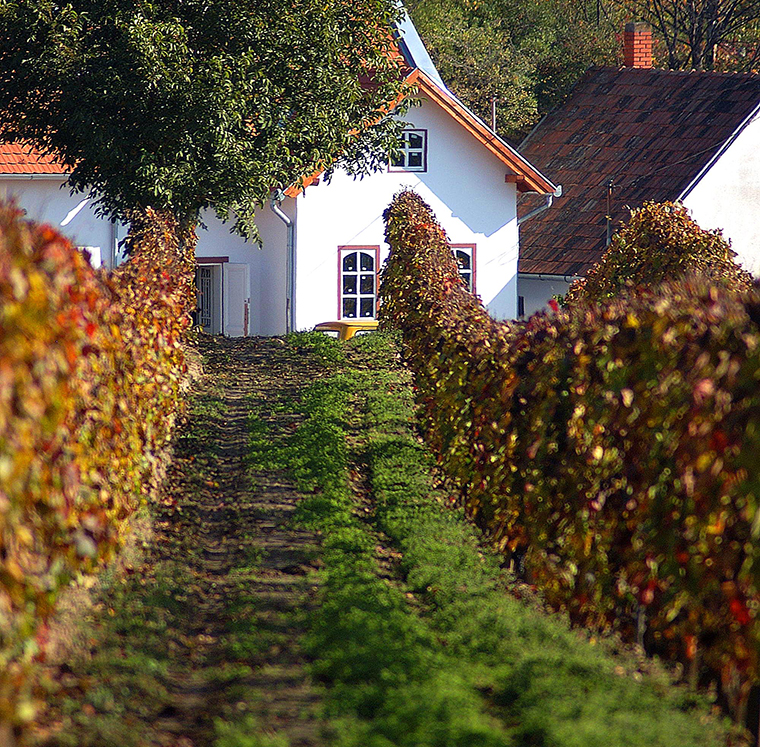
(649, 131)
(22, 158)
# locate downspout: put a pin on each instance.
(537, 211)
(114, 245)
(274, 203)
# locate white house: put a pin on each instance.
(629, 135)
(324, 245)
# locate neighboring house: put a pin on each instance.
(629, 135)
(38, 185)
(324, 265)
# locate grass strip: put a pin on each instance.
(461, 662)
(390, 681)
(553, 685)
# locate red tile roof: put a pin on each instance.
(649, 131)
(21, 158)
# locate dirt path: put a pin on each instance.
(202, 637)
(198, 640)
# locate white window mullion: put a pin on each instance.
(358, 282)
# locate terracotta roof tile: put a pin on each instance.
(21, 158)
(650, 131)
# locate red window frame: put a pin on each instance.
(346, 249)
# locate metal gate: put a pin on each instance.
(204, 285)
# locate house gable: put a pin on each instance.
(465, 185)
(726, 195)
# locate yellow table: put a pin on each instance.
(347, 328)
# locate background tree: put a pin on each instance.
(184, 105)
(704, 34)
(660, 242)
(525, 54)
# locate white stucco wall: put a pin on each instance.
(728, 196)
(47, 200)
(267, 264)
(464, 184)
(538, 291)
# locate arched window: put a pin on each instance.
(357, 289)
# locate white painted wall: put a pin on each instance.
(267, 265)
(537, 292)
(464, 184)
(47, 200)
(728, 196)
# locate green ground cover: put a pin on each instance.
(416, 638)
(303, 532)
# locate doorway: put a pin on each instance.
(208, 292)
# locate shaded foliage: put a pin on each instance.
(703, 34)
(194, 105)
(527, 55)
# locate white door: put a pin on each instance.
(237, 300)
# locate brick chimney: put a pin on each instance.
(637, 45)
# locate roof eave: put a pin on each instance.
(532, 179)
(57, 175)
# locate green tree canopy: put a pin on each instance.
(660, 242)
(525, 54)
(184, 105)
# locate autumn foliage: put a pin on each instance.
(612, 447)
(90, 372)
(660, 242)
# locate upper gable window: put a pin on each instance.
(413, 153)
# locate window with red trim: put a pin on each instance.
(357, 281)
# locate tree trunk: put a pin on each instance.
(712, 33)
(170, 243)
